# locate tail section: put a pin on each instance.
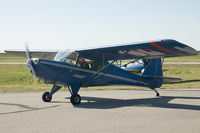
(151, 73)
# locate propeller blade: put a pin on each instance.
(27, 52)
(30, 62)
(33, 73)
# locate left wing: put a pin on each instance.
(50, 54)
(153, 49)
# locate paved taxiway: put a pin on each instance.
(109, 111)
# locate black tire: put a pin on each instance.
(46, 97)
(75, 99)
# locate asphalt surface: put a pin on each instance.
(117, 111)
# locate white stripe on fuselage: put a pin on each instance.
(90, 71)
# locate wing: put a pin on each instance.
(34, 53)
(153, 49)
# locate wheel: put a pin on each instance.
(157, 94)
(75, 99)
(46, 97)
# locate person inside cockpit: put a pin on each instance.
(85, 63)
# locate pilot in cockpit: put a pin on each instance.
(86, 64)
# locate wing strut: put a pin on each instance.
(93, 75)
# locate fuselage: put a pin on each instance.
(62, 73)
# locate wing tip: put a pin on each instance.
(191, 51)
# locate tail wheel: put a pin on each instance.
(75, 99)
(46, 97)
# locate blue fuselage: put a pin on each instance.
(62, 73)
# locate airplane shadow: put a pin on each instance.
(25, 107)
(109, 103)
(159, 102)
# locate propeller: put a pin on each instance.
(30, 63)
(27, 52)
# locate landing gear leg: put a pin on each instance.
(69, 89)
(157, 93)
(75, 97)
(47, 96)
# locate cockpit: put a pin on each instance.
(73, 58)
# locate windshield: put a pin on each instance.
(66, 56)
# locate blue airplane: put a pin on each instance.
(97, 66)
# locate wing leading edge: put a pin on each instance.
(153, 49)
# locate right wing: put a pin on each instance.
(153, 49)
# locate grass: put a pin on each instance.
(190, 76)
(14, 74)
(11, 58)
(184, 59)
(17, 78)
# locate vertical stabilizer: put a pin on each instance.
(154, 68)
(153, 73)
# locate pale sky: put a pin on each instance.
(63, 24)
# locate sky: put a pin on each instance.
(74, 24)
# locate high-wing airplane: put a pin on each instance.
(97, 66)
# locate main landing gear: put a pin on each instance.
(73, 89)
(75, 98)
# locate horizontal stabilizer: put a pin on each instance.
(165, 79)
